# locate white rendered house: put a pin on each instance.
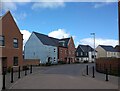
(42, 47)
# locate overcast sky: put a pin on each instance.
(65, 19)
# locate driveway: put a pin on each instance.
(70, 76)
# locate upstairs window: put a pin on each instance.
(2, 40)
(15, 43)
(81, 54)
(77, 53)
(54, 50)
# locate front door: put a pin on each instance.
(4, 63)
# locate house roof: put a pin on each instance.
(117, 48)
(85, 48)
(46, 40)
(108, 48)
(79, 49)
(64, 42)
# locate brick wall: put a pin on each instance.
(31, 62)
(112, 64)
(62, 54)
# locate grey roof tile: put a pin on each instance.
(108, 48)
(46, 40)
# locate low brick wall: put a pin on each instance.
(31, 62)
(111, 64)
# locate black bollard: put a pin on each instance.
(93, 72)
(3, 73)
(11, 75)
(110, 69)
(19, 72)
(25, 70)
(106, 74)
(30, 69)
(87, 69)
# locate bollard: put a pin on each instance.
(110, 69)
(12, 75)
(93, 72)
(3, 87)
(30, 69)
(19, 72)
(25, 70)
(106, 74)
(87, 69)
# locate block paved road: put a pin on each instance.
(69, 76)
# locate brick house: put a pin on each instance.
(11, 42)
(71, 51)
(66, 50)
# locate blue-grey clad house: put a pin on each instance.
(85, 53)
(43, 47)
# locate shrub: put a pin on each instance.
(25, 68)
(85, 61)
(9, 69)
(48, 63)
(61, 62)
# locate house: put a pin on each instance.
(106, 51)
(42, 47)
(63, 50)
(66, 50)
(117, 48)
(85, 53)
(48, 49)
(11, 41)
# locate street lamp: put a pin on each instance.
(94, 44)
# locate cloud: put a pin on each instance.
(8, 6)
(59, 0)
(51, 5)
(102, 4)
(98, 41)
(26, 35)
(60, 33)
(21, 16)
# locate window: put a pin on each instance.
(15, 61)
(54, 50)
(69, 52)
(73, 52)
(81, 54)
(65, 52)
(15, 43)
(77, 53)
(61, 51)
(2, 40)
(54, 58)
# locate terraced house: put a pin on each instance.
(11, 42)
(107, 51)
(48, 49)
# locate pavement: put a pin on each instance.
(0, 82)
(69, 76)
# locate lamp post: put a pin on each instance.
(94, 44)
